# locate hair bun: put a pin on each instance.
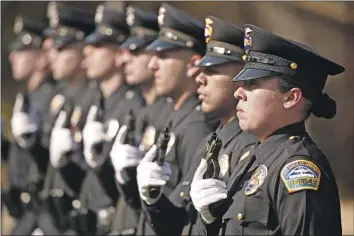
(324, 106)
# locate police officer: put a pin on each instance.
(126, 156)
(74, 95)
(99, 193)
(28, 158)
(284, 186)
(177, 50)
(223, 59)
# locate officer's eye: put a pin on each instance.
(250, 83)
(209, 71)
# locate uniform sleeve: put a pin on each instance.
(165, 218)
(306, 200)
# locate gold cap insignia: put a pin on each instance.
(130, 16)
(247, 40)
(208, 30)
(18, 26)
(161, 16)
(99, 13)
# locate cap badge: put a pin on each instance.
(18, 26)
(248, 40)
(161, 16)
(99, 13)
(130, 16)
(208, 30)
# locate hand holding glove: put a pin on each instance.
(93, 134)
(60, 142)
(150, 174)
(21, 124)
(205, 192)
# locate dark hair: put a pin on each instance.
(320, 104)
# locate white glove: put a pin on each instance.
(206, 191)
(22, 124)
(38, 232)
(124, 156)
(60, 142)
(151, 174)
(93, 133)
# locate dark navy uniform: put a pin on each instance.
(28, 162)
(143, 30)
(71, 25)
(189, 125)
(235, 142)
(285, 184)
(99, 193)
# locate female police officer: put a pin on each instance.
(285, 186)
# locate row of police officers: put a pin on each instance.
(141, 123)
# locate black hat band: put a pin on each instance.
(143, 32)
(179, 38)
(218, 48)
(263, 61)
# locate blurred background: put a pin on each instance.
(327, 27)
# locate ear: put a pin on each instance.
(120, 59)
(192, 69)
(292, 98)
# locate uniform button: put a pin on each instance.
(181, 194)
(239, 216)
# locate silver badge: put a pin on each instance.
(224, 162)
(256, 180)
(56, 103)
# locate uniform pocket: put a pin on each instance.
(255, 217)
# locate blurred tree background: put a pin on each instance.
(327, 27)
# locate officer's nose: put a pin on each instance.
(201, 79)
(153, 64)
(126, 55)
(120, 60)
(240, 93)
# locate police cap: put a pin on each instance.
(178, 29)
(143, 28)
(71, 24)
(110, 27)
(29, 34)
(224, 42)
(269, 54)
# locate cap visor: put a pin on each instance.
(59, 42)
(247, 74)
(161, 45)
(49, 32)
(134, 43)
(94, 38)
(208, 60)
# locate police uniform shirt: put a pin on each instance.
(283, 187)
(189, 128)
(235, 143)
(99, 189)
(149, 124)
(29, 165)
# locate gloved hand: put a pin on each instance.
(93, 133)
(150, 174)
(60, 142)
(21, 124)
(206, 191)
(124, 156)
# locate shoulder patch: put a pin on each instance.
(301, 175)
